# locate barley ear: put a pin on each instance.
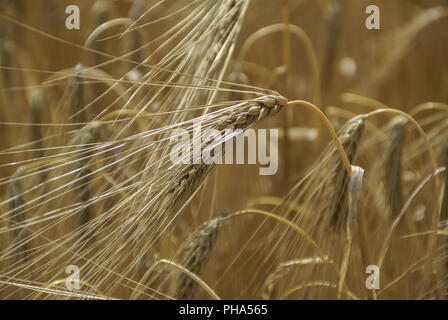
(349, 137)
(76, 87)
(444, 208)
(286, 267)
(392, 165)
(37, 109)
(21, 235)
(87, 135)
(354, 196)
(194, 255)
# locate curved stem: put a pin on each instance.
(420, 130)
(362, 100)
(187, 272)
(330, 129)
(318, 284)
(428, 106)
(286, 37)
(299, 33)
(282, 220)
(273, 201)
(110, 24)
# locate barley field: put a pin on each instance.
(93, 207)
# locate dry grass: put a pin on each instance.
(86, 178)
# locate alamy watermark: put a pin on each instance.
(373, 20)
(72, 22)
(212, 146)
(72, 281)
(373, 280)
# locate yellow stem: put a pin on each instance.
(428, 106)
(286, 37)
(187, 272)
(286, 222)
(330, 128)
(303, 37)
